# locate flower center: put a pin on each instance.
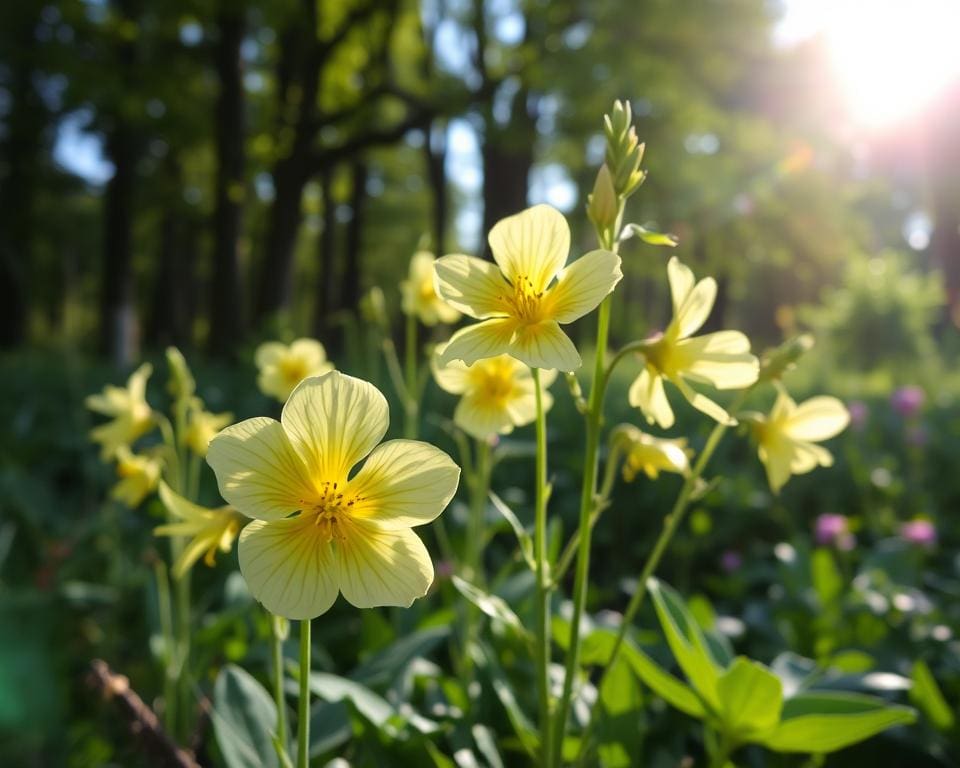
(331, 511)
(293, 369)
(426, 290)
(525, 303)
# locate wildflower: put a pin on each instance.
(731, 561)
(209, 529)
(139, 475)
(919, 531)
(787, 436)
(498, 394)
(832, 530)
(131, 415)
(859, 414)
(203, 427)
(524, 297)
(282, 367)
(317, 529)
(652, 455)
(908, 401)
(722, 359)
(419, 297)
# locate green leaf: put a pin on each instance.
(486, 742)
(383, 667)
(927, 696)
(371, 705)
(619, 733)
(818, 723)
(485, 659)
(493, 606)
(649, 236)
(751, 698)
(827, 581)
(523, 537)
(329, 726)
(244, 720)
(687, 642)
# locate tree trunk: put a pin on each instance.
(435, 156)
(117, 315)
(276, 280)
(327, 282)
(170, 316)
(353, 261)
(226, 305)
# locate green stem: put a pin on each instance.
(303, 705)
(169, 644)
(182, 601)
(410, 405)
(588, 503)
(277, 637)
(670, 525)
(472, 552)
(543, 594)
(722, 754)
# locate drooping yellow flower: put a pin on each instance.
(282, 367)
(203, 427)
(527, 294)
(209, 529)
(139, 475)
(419, 297)
(787, 436)
(721, 359)
(318, 530)
(652, 455)
(130, 414)
(498, 393)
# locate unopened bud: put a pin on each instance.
(779, 360)
(602, 208)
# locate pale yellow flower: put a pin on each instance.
(498, 393)
(787, 436)
(130, 414)
(203, 427)
(209, 529)
(527, 294)
(139, 475)
(652, 455)
(318, 529)
(282, 367)
(419, 297)
(720, 359)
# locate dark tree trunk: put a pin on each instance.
(353, 255)
(327, 282)
(170, 316)
(435, 156)
(117, 315)
(226, 306)
(507, 160)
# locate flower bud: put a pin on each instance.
(777, 361)
(602, 208)
(181, 384)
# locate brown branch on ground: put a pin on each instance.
(142, 720)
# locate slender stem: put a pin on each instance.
(411, 405)
(277, 637)
(480, 488)
(588, 503)
(303, 705)
(722, 754)
(182, 601)
(670, 525)
(166, 629)
(543, 594)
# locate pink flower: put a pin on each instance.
(908, 401)
(831, 530)
(731, 560)
(919, 531)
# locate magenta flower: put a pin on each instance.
(919, 531)
(908, 401)
(831, 530)
(731, 561)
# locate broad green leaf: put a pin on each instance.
(493, 606)
(523, 536)
(485, 659)
(486, 741)
(383, 667)
(649, 236)
(751, 698)
(818, 723)
(687, 642)
(926, 695)
(244, 720)
(371, 705)
(329, 726)
(619, 733)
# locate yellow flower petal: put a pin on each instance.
(471, 285)
(289, 566)
(452, 377)
(481, 340)
(333, 421)
(692, 302)
(269, 353)
(722, 359)
(481, 418)
(379, 567)
(703, 403)
(404, 483)
(522, 408)
(647, 394)
(544, 345)
(777, 456)
(819, 418)
(583, 285)
(532, 245)
(681, 280)
(258, 471)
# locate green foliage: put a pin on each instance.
(244, 720)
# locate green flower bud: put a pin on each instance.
(602, 208)
(777, 361)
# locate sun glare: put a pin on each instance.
(892, 57)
